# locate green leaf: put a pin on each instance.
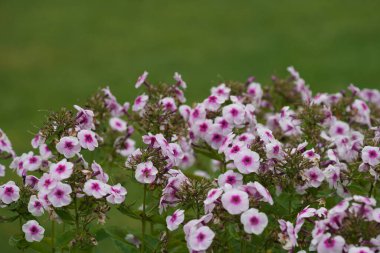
(64, 238)
(125, 247)
(101, 234)
(127, 210)
(4, 219)
(65, 216)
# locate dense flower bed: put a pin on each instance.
(250, 168)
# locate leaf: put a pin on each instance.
(65, 215)
(127, 210)
(101, 234)
(151, 242)
(125, 247)
(116, 233)
(18, 241)
(42, 247)
(4, 219)
(64, 238)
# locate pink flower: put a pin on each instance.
(213, 195)
(235, 201)
(2, 170)
(200, 238)
(254, 221)
(371, 155)
(258, 191)
(376, 215)
(178, 78)
(99, 172)
(360, 250)
(96, 188)
(35, 206)
(45, 152)
(140, 103)
(60, 195)
(33, 231)
(37, 140)
(61, 170)
(330, 244)
(173, 221)
(141, 79)
(168, 104)
(128, 148)
(361, 111)
(234, 113)
(84, 118)
(118, 124)
(68, 146)
(214, 138)
(339, 128)
(314, 176)
(47, 183)
(247, 161)
(87, 139)
(117, 194)
(221, 91)
(9, 192)
(255, 92)
(230, 177)
(146, 173)
(32, 162)
(213, 103)
(274, 150)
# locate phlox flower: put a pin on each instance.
(274, 150)
(45, 152)
(87, 139)
(376, 215)
(47, 183)
(96, 188)
(235, 201)
(200, 238)
(146, 172)
(178, 78)
(32, 162)
(254, 221)
(247, 161)
(117, 194)
(37, 140)
(35, 206)
(84, 118)
(141, 79)
(127, 147)
(61, 170)
(99, 172)
(213, 103)
(214, 138)
(221, 91)
(68, 146)
(140, 103)
(371, 155)
(360, 250)
(173, 221)
(255, 92)
(230, 177)
(362, 113)
(330, 244)
(9, 192)
(60, 195)
(118, 124)
(168, 104)
(33, 231)
(258, 191)
(213, 195)
(2, 170)
(314, 176)
(234, 113)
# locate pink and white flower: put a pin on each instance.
(99, 172)
(173, 221)
(178, 78)
(314, 176)
(140, 103)
(118, 124)
(141, 79)
(87, 139)
(2, 170)
(234, 113)
(371, 155)
(68, 146)
(221, 91)
(200, 238)
(47, 183)
(96, 188)
(254, 221)
(230, 177)
(9, 192)
(247, 161)
(33, 231)
(235, 201)
(35, 206)
(213, 103)
(61, 170)
(60, 195)
(116, 194)
(330, 244)
(32, 162)
(168, 104)
(146, 172)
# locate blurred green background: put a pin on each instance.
(56, 53)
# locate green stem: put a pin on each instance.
(143, 222)
(371, 190)
(20, 222)
(76, 215)
(52, 236)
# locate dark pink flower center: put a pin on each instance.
(235, 199)
(254, 220)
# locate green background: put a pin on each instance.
(57, 53)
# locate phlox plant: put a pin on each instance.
(250, 168)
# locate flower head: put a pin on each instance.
(68, 146)
(254, 221)
(116, 194)
(200, 238)
(173, 221)
(146, 172)
(60, 195)
(96, 188)
(9, 192)
(87, 139)
(235, 201)
(33, 231)
(61, 170)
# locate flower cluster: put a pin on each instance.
(233, 171)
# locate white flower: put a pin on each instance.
(254, 221)
(68, 146)
(146, 173)
(35, 206)
(61, 170)
(141, 79)
(200, 238)
(87, 139)
(60, 195)
(173, 221)
(315, 176)
(247, 161)
(117, 194)
(235, 201)
(140, 103)
(96, 188)
(47, 183)
(33, 231)
(230, 177)
(330, 244)
(371, 155)
(234, 113)
(118, 124)
(9, 192)
(360, 250)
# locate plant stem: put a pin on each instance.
(143, 222)
(52, 236)
(20, 221)
(76, 215)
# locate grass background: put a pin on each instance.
(56, 53)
